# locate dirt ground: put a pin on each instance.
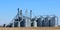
(32, 28)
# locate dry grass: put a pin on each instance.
(32, 28)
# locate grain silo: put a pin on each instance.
(39, 21)
(45, 21)
(27, 20)
(53, 21)
(34, 22)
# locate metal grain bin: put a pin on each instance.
(39, 21)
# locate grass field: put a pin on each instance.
(32, 28)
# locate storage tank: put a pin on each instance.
(34, 22)
(53, 21)
(39, 21)
(22, 24)
(27, 20)
(45, 22)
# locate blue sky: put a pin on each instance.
(8, 8)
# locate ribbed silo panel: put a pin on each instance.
(52, 22)
(39, 22)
